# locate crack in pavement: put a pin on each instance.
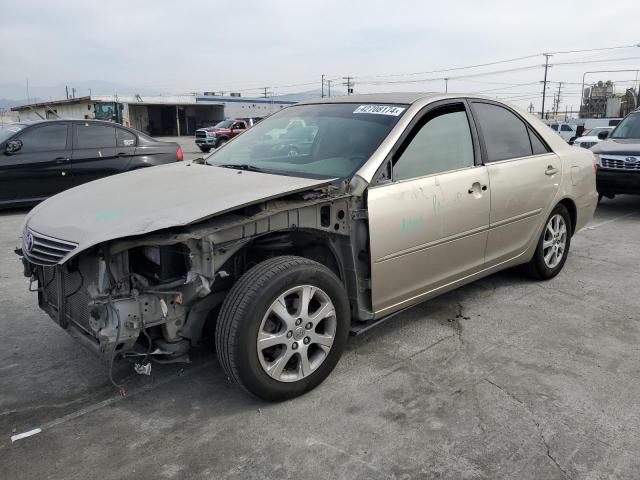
(539, 428)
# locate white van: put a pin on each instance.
(566, 130)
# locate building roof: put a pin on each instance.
(51, 103)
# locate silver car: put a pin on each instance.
(388, 201)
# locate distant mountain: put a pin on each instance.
(6, 103)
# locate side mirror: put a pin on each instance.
(13, 146)
(603, 135)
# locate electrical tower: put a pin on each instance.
(348, 82)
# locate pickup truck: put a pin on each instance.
(212, 137)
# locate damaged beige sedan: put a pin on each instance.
(321, 220)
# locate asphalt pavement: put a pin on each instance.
(503, 379)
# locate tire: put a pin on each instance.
(249, 310)
(205, 149)
(221, 142)
(542, 268)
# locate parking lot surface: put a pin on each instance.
(504, 378)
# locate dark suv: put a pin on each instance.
(619, 158)
(40, 159)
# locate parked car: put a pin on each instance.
(566, 130)
(618, 156)
(213, 137)
(402, 197)
(590, 137)
(40, 159)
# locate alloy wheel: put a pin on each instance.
(555, 241)
(297, 333)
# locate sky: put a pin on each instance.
(189, 46)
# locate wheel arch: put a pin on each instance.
(315, 245)
(570, 205)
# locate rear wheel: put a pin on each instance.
(553, 246)
(283, 327)
(205, 149)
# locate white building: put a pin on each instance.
(158, 115)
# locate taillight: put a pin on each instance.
(180, 154)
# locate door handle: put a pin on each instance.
(62, 160)
(550, 170)
(476, 187)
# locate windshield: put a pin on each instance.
(628, 128)
(224, 124)
(595, 131)
(317, 141)
(8, 131)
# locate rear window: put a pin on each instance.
(93, 135)
(505, 135)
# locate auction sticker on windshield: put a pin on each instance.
(380, 110)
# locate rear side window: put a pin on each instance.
(505, 135)
(536, 144)
(42, 139)
(125, 138)
(441, 144)
(92, 135)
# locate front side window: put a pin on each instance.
(629, 127)
(92, 135)
(505, 135)
(329, 140)
(441, 144)
(42, 139)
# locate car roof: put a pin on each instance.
(28, 123)
(401, 97)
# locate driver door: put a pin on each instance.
(40, 168)
(428, 225)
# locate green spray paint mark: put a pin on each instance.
(109, 215)
(412, 224)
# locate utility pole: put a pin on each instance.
(558, 97)
(322, 88)
(67, 90)
(349, 84)
(28, 93)
(446, 85)
(329, 87)
(266, 92)
(544, 82)
(531, 107)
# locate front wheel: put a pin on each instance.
(205, 149)
(553, 246)
(221, 142)
(283, 327)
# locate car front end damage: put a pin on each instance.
(107, 298)
(153, 294)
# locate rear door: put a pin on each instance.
(96, 153)
(524, 176)
(428, 225)
(42, 166)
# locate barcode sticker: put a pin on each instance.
(380, 110)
